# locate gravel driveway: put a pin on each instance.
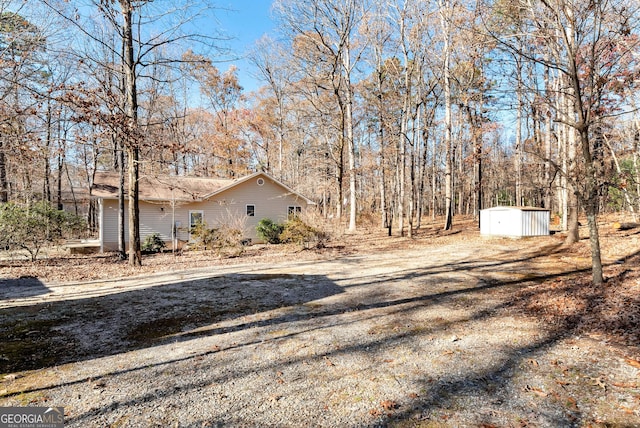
(420, 336)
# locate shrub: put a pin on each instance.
(29, 227)
(297, 231)
(225, 240)
(153, 243)
(269, 231)
(202, 236)
(228, 241)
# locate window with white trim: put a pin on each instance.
(293, 211)
(195, 218)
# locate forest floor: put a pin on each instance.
(443, 329)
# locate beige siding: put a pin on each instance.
(109, 225)
(270, 200)
(154, 218)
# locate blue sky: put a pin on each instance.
(245, 21)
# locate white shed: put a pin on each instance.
(514, 221)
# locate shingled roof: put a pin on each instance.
(161, 188)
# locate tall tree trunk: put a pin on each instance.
(421, 160)
(434, 180)
(353, 196)
(573, 204)
(351, 146)
(412, 180)
(422, 168)
(133, 150)
(62, 157)
(636, 164)
(547, 162)
(47, 163)
(458, 179)
(518, 151)
(445, 22)
(383, 176)
(590, 195)
(61, 164)
(4, 185)
(340, 187)
(564, 182)
(561, 187)
(591, 209)
(135, 253)
(402, 166)
(476, 136)
(122, 246)
(478, 185)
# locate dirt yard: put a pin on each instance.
(445, 329)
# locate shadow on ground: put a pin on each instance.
(57, 332)
(182, 311)
(28, 286)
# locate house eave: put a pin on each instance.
(151, 200)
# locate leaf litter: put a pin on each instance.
(470, 332)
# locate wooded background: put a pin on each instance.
(394, 110)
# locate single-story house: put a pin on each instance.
(171, 204)
(514, 222)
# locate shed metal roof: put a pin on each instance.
(508, 207)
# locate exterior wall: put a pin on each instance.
(517, 222)
(154, 218)
(109, 225)
(535, 223)
(270, 201)
(230, 207)
(501, 222)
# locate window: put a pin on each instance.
(293, 211)
(260, 181)
(195, 218)
(251, 210)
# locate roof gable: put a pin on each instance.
(257, 175)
